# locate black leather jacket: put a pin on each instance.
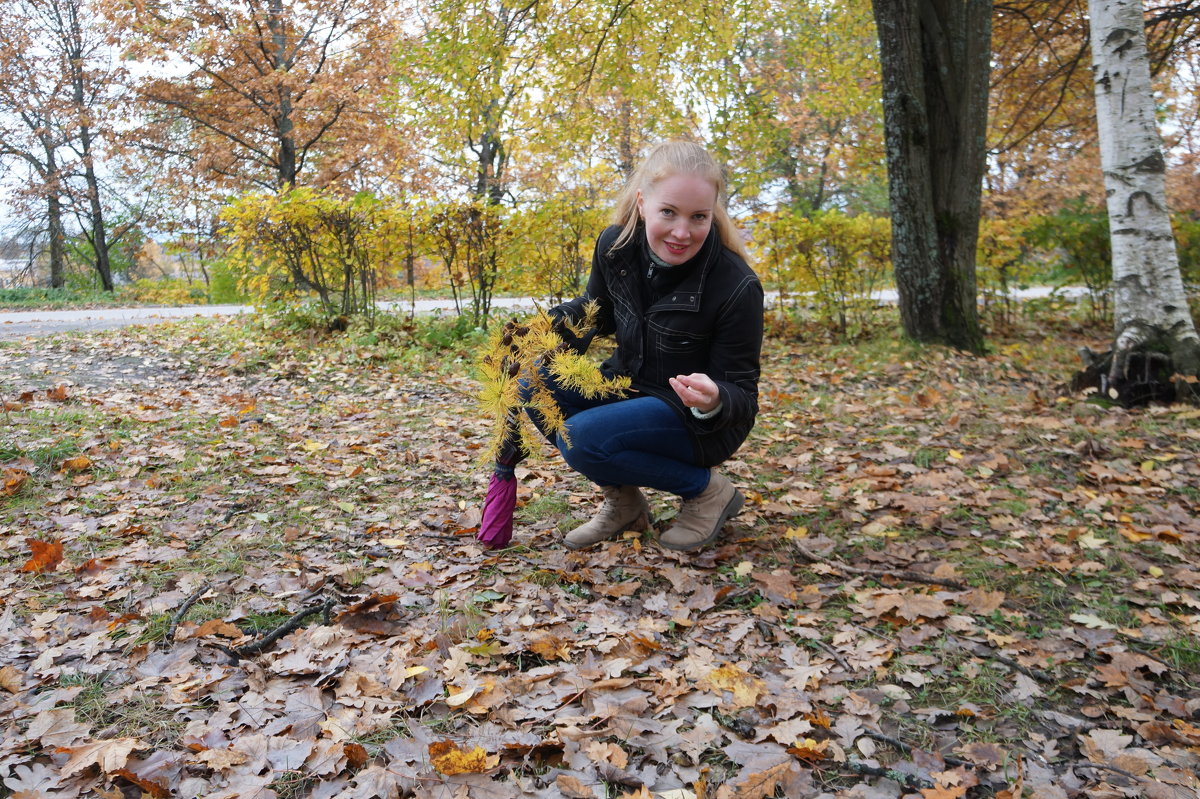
(710, 322)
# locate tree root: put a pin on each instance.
(1158, 366)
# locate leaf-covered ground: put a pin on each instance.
(240, 564)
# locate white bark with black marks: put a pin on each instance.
(1150, 304)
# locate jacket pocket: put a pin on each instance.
(676, 352)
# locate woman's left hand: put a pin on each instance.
(697, 391)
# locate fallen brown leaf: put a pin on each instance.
(46, 555)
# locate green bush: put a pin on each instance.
(42, 297)
(1075, 239)
(836, 259)
(163, 291)
(1187, 244)
(223, 285)
(288, 247)
(1003, 263)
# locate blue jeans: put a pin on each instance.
(639, 441)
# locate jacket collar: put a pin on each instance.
(686, 296)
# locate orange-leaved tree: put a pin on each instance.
(58, 95)
(262, 92)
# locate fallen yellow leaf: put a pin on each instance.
(449, 760)
(80, 463)
(1093, 621)
(745, 687)
(460, 698)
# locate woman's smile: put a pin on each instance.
(678, 212)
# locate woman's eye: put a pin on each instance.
(667, 212)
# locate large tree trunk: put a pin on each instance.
(1155, 342)
(99, 235)
(285, 127)
(57, 243)
(935, 59)
(54, 217)
(75, 45)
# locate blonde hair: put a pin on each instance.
(668, 158)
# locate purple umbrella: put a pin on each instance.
(496, 523)
(496, 526)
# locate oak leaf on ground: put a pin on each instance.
(573, 788)
(11, 679)
(110, 755)
(46, 555)
(756, 785)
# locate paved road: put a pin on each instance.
(18, 324)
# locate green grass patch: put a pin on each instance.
(114, 713)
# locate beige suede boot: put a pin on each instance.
(701, 518)
(624, 508)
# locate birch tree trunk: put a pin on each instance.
(1156, 351)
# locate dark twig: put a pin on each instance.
(234, 657)
(183, 609)
(297, 619)
(1034, 674)
(908, 576)
(436, 537)
(833, 653)
(907, 780)
(908, 748)
(1105, 767)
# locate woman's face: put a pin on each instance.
(678, 212)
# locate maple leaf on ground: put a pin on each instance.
(986, 755)
(80, 463)
(607, 753)
(809, 749)
(222, 759)
(551, 647)
(154, 775)
(913, 607)
(12, 481)
(745, 687)
(216, 627)
(46, 555)
(448, 759)
(940, 791)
